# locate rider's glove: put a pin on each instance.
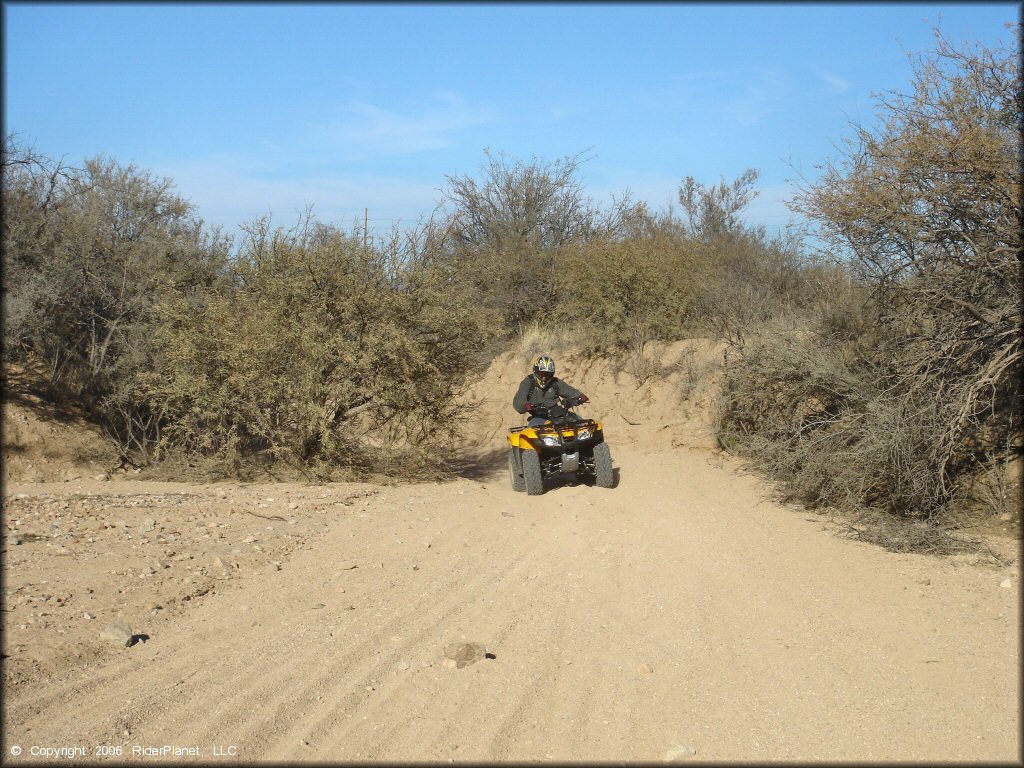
(528, 407)
(582, 399)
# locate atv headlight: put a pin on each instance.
(550, 440)
(584, 434)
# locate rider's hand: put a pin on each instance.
(528, 407)
(582, 399)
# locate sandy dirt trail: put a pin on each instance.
(679, 615)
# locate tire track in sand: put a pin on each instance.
(472, 599)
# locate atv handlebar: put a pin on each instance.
(553, 412)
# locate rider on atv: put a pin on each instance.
(541, 390)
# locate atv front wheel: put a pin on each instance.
(532, 476)
(518, 481)
(605, 477)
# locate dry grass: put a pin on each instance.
(699, 375)
(896, 534)
(545, 338)
(996, 489)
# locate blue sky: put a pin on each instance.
(265, 108)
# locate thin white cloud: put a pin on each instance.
(837, 85)
(741, 96)
(762, 92)
(367, 129)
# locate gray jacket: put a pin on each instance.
(531, 392)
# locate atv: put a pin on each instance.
(564, 443)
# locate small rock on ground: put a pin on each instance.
(464, 654)
(679, 752)
(117, 631)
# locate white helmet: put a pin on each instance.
(544, 370)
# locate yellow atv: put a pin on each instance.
(562, 444)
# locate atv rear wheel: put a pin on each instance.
(605, 477)
(518, 481)
(532, 476)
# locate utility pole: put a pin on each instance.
(366, 225)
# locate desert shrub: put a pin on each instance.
(535, 248)
(697, 375)
(321, 352)
(926, 206)
(741, 293)
(503, 227)
(545, 336)
(905, 380)
(833, 439)
(621, 294)
(784, 386)
(749, 275)
(87, 253)
(823, 428)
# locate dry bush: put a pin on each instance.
(503, 227)
(833, 439)
(803, 414)
(747, 276)
(785, 383)
(882, 456)
(643, 366)
(697, 378)
(927, 207)
(712, 210)
(907, 381)
(545, 338)
(996, 488)
(87, 253)
(621, 294)
(321, 352)
(897, 534)
(516, 205)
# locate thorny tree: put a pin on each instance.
(928, 205)
(505, 225)
(87, 252)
